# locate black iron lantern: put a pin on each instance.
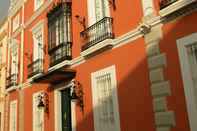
(77, 94)
(74, 95)
(40, 104)
(43, 101)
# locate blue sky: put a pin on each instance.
(4, 4)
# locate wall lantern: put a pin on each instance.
(43, 101)
(77, 94)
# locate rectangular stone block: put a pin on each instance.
(153, 48)
(156, 75)
(165, 119)
(157, 61)
(163, 129)
(160, 104)
(161, 89)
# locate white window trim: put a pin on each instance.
(35, 106)
(16, 22)
(36, 29)
(92, 12)
(187, 77)
(14, 53)
(36, 6)
(57, 110)
(94, 75)
(12, 103)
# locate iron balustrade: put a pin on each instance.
(11, 80)
(60, 53)
(35, 67)
(164, 3)
(98, 32)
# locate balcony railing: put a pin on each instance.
(60, 53)
(164, 3)
(35, 67)
(98, 32)
(11, 80)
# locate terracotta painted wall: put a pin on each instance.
(173, 31)
(135, 101)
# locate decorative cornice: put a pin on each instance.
(12, 10)
(175, 6)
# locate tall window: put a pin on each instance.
(38, 43)
(14, 58)
(60, 41)
(16, 22)
(187, 48)
(97, 9)
(13, 116)
(106, 115)
(60, 26)
(37, 4)
(38, 114)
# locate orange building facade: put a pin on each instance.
(101, 65)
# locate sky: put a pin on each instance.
(4, 4)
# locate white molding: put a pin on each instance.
(11, 103)
(148, 7)
(94, 75)
(66, 62)
(77, 61)
(11, 88)
(174, 7)
(104, 44)
(16, 22)
(12, 10)
(57, 110)
(73, 115)
(17, 31)
(126, 38)
(38, 26)
(35, 76)
(187, 78)
(36, 7)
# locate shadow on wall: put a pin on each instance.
(134, 96)
(172, 31)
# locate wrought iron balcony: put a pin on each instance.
(60, 53)
(165, 3)
(11, 80)
(35, 67)
(98, 32)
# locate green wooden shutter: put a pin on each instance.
(66, 110)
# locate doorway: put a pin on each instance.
(66, 110)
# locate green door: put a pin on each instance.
(66, 110)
